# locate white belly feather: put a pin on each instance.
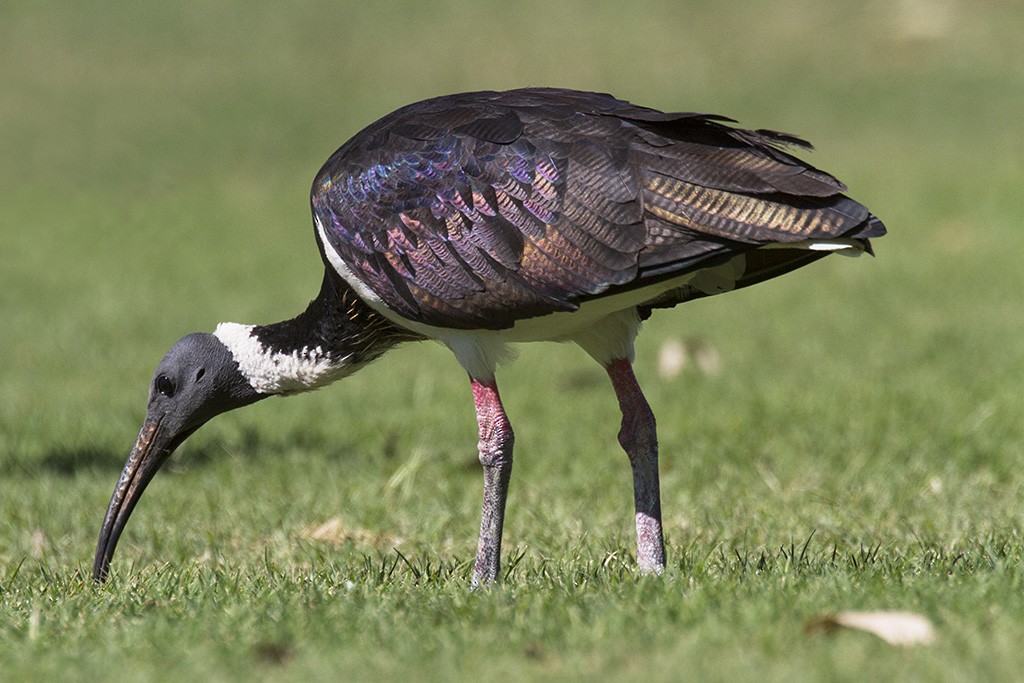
(605, 327)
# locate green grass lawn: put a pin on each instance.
(861, 446)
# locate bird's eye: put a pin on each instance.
(165, 386)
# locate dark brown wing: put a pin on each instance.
(476, 210)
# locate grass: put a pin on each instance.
(860, 448)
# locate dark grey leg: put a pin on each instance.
(495, 450)
(639, 439)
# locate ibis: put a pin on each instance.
(481, 220)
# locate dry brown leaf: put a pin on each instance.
(926, 19)
(671, 358)
(706, 358)
(896, 628)
(675, 355)
(37, 544)
(335, 532)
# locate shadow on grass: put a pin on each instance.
(71, 460)
(66, 461)
(258, 445)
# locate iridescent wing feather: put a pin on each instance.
(476, 210)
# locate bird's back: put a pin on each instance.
(477, 210)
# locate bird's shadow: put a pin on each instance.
(257, 445)
(68, 460)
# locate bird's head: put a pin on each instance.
(197, 380)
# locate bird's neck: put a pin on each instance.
(335, 336)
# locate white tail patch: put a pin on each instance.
(841, 245)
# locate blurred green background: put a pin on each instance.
(155, 162)
(156, 157)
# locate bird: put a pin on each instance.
(486, 219)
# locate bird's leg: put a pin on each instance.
(495, 450)
(639, 439)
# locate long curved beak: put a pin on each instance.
(151, 450)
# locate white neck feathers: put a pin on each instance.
(270, 371)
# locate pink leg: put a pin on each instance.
(495, 447)
(639, 439)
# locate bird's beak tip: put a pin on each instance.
(151, 450)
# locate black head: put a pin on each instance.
(197, 380)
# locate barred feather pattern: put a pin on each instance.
(474, 211)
